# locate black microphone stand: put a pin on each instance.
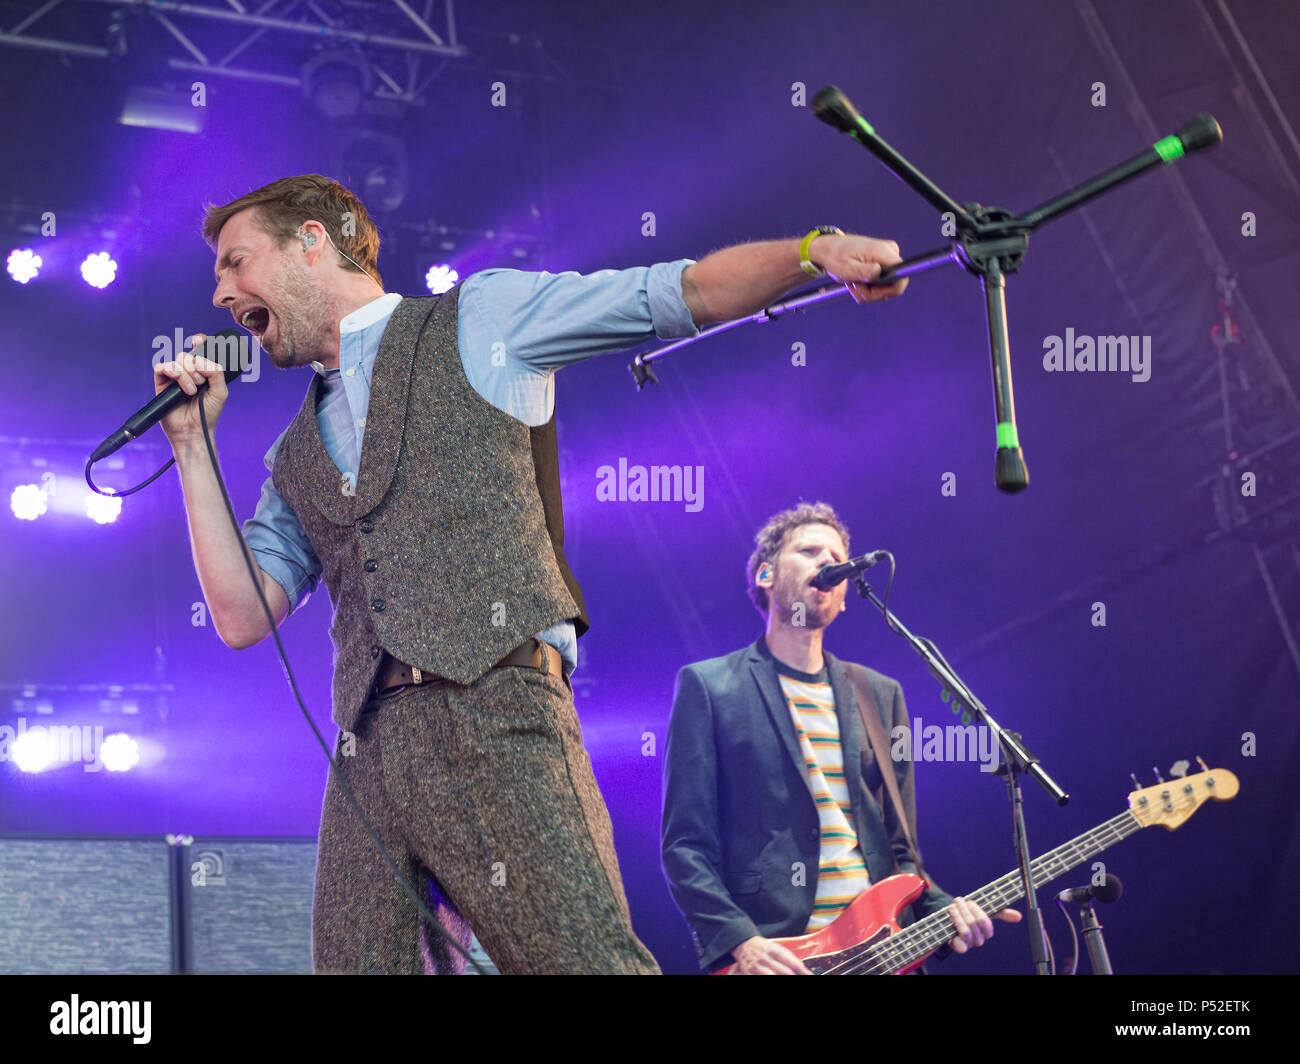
(1092, 938)
(1016, 760)
(990, 244)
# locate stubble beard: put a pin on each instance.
(301, 332)
(815, 616)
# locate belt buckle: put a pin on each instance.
(416, 675)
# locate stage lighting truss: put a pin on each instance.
(399, 47)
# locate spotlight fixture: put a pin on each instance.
(152, 107)
(441, 278)
(336, 82)
(102, 509)
(375, 166)
(23, 264)
(99, 270)
(28, 502)
(120, 752)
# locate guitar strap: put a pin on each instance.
(869, 711)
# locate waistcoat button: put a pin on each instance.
(377, 605)
(375, 652)
(367, 525)
(371, 565)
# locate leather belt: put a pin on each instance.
(533, 654)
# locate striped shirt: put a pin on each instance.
(842, 871)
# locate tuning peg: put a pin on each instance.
(1136, 786)
(1204, 767)
(1157, 772)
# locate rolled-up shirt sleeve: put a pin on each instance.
(548, 320)
(279, 543)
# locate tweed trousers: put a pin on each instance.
(485, 797)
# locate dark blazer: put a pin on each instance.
(738, 813)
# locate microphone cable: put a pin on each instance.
(411, 892)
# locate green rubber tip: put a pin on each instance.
(1169, 148)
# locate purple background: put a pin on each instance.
(687, 112)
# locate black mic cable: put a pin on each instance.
(411, 892)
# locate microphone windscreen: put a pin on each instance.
(834, 108)
(1110, 890)
(1201, 132)
(227, 350)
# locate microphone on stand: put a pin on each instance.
(1107, 892)
(832, 575)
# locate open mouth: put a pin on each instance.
(255, 320)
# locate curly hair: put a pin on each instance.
(772, 536)
(284, 205)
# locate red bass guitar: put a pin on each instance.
(866, 940)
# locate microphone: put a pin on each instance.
(1107, 892)
(832, 575)
(1200, 132)
(214, 347)
(834, 108)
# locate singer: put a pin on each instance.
(420, 481)
(776, 815)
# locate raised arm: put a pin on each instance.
(743, 279)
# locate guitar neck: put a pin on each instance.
(935, 930)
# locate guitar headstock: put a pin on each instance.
(1170, 803)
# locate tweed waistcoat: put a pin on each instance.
(447, 550)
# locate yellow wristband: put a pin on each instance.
(805, 263)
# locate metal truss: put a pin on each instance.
(266, 42)
(1259, 411)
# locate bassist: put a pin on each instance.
(775, 815)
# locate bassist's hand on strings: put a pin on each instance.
(974, 926)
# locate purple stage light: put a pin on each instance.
(102, 509)
(28, 502)
(99, 270)
(32, 751)
(441, 278)
(23, 264)
(119, 752)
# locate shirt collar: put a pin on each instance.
(363, 318)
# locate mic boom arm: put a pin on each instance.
(990, 244)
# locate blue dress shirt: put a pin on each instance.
(514, 330)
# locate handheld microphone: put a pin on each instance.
(214, 348)
(1107, 892)
(832, 575)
